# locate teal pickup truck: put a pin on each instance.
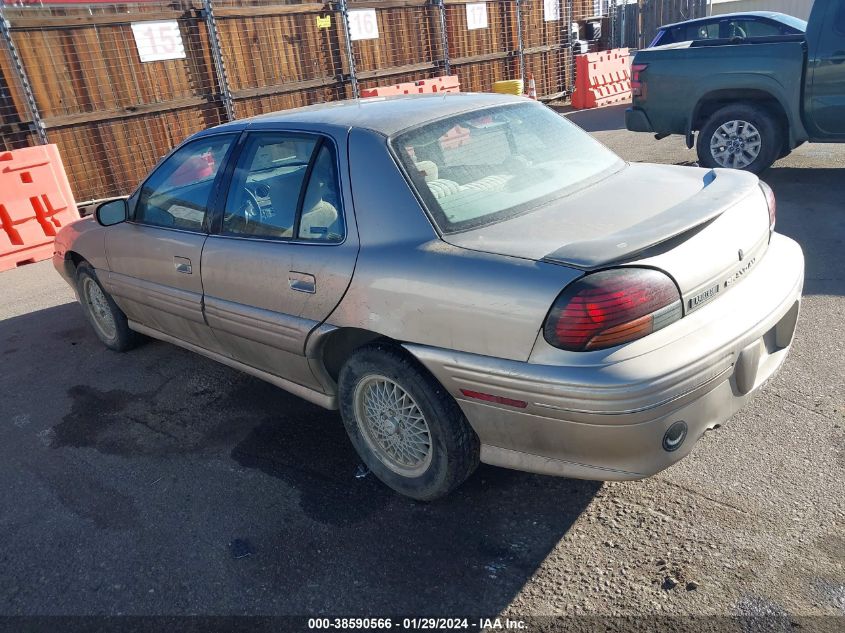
(751, 101)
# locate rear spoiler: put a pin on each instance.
(718, 193)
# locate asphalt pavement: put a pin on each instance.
(157, 482)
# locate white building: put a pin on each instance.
(798, 8)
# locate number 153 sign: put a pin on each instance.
(157, 41)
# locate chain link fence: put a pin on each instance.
(112, 114)
(635, 24)
(116, 85)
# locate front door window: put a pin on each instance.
(178, 192)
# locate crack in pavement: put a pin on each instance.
(696, 493)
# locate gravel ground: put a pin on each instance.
(157, 482)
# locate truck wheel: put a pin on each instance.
(407, 429)
(739, 136)
(109, 321)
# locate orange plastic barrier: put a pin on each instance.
(449, 83)
(602, 79)
(35, 202)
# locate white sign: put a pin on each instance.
(551, 10)
(477, 15)
(363, 24)
(158, 40)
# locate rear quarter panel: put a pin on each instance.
(413, 287)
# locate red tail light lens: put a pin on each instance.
(612, 307)
(637, 85)
(773, 205)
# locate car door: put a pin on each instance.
(155, 257)
(283, 250)
(825, 113)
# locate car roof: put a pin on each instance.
(385, 115)
(773, 15)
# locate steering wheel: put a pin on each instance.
(249, 211)
(737, 32)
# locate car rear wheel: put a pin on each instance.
(741, 137)
(406, 428)
(109, 322)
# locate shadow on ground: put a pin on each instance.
(317, 538)
(598, 119)
(811, 211)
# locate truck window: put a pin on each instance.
(752, 28)
(702, 32)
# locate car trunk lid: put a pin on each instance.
(699, 226)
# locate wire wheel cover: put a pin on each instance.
(393, 425)
(99, 308)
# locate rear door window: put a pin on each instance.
(265, 189)
(285, 187)
(706, 31)
(743, 28)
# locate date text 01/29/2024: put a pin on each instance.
(416, 624)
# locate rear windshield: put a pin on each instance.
(484, 166)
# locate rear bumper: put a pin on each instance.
(604, 417)
(636, 120)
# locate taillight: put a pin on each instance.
(637, 85)
(612, 307)
(773, 205)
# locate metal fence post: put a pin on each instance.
(17, 63)
(217, 54)
(444, 36)
(623, 26)
(519, 41)
(611, 18)
(353, 78)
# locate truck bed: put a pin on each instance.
(678, 76)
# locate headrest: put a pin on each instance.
(428, 169)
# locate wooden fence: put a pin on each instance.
(73, 75)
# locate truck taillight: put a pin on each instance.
(773, 205)
(637, 85)
(611, 307)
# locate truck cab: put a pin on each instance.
(824, 92)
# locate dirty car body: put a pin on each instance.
(586, 317)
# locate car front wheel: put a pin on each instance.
(109, 322)
(406, 428)
(741, 137)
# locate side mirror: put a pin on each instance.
(112, 212)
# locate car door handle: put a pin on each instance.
(183, 265)
(302, 282)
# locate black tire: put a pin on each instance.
(771, 137)
(119, 338)
(454, 452)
